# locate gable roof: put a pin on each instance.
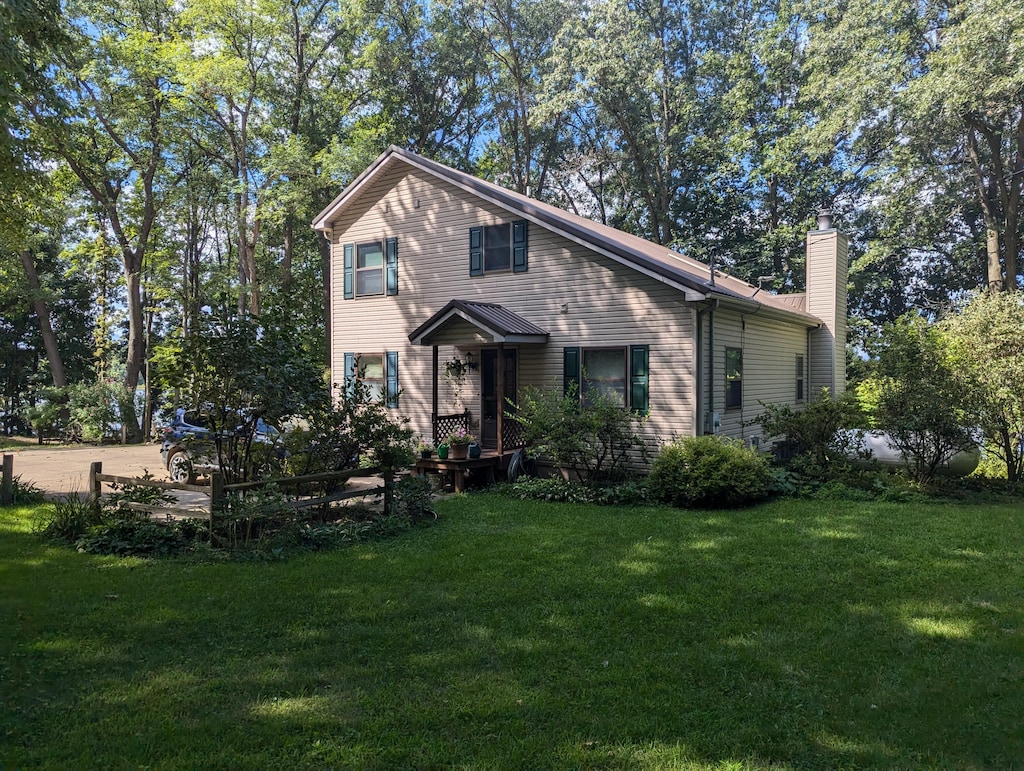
(496, 321)
(691, 277)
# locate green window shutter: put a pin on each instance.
(350, 374)
(391, 375)
(476, 251)
(519, 246)
(639, 357)
(570, 369)
(391, 258)
(349, 280)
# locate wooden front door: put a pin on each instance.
(490, 403)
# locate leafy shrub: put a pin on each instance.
(117, 502)
(559, 490)
(709, 472)
(133, 537)
(68, 519)
(413, 497)
(253, 516)
(553, 489)
(23, 492)
(630, 493)
(595, 441)
(817, 431)
(919, 396)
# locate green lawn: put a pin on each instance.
(522, 635)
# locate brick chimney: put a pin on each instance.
(827, 261)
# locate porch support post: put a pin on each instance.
(500, 388)
(433, 395)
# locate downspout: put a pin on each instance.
(710, 390)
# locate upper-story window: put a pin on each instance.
(371, 269)
(498, 248)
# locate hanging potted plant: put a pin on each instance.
(455, 371)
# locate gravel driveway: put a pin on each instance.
(62, 470)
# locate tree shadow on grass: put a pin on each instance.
(817, 639)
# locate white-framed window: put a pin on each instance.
(369, 269)
(378, 372)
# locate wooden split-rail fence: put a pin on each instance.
(216, 490)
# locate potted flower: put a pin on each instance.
(458, 443)
(425, 448)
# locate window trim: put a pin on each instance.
(731, 402)
(518, 244)
(388, 268)
(380, 269)
(624, 350)
(353, 368)
(636, 393)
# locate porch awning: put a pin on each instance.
(468, 321)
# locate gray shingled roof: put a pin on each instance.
(642, 255)
(497, 321)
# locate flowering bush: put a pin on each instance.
(460, 436)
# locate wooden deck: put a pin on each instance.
(489, 463)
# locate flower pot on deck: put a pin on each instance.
(459, 451)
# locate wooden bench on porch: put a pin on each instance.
(487, 463)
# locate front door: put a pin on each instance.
(490, 402)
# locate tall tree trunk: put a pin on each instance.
(45, 327)
(136, 350)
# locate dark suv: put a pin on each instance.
(189, 451)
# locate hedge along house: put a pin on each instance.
(436, 271)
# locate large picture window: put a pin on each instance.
(733, 378)
(619, 374)
(604, 374)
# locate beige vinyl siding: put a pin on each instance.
(579, 297)
(770, 348)
(827, 256)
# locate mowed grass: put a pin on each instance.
(526, 635)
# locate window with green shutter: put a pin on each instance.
(620, 374)
(499, 248)
(378, 373)
(370, 269)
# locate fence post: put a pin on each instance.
(7, 486)
(388, 489)
(95, 485)
(216, 494)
